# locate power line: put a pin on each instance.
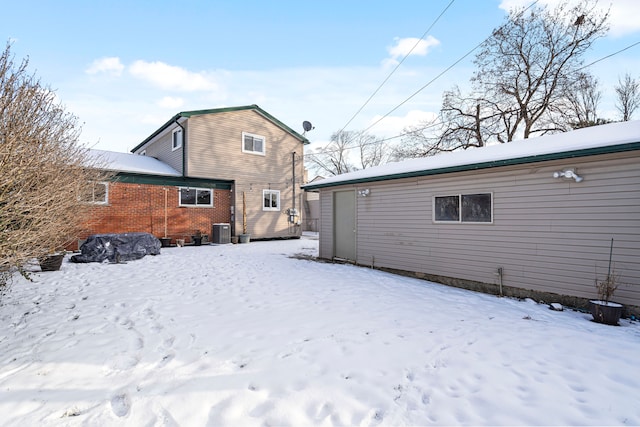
(439, 75)
(609, 56)
(397, 66)
(423, 87)
(442, 73)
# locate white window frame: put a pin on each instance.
(93, 200)
(272, 192)
(460, 220)
(176, 142)
(264, 144)
(196, 205)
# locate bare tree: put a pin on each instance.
(628, 96)
(43, 171)
(579, 108)
(464, 122)
(529, 64)
(348, 151)
(524, 73)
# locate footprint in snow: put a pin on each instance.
(120, 404)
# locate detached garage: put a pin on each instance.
(529, 218)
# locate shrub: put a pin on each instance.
(44, 171)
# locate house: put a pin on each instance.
(311, 208)
(237, 165)
(148, 195)
(532, 218)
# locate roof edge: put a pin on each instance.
(175, 181)
(192, 113)
(620, 148)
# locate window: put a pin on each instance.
(176, 139)
(252, 143)
(201, 197)
(463, 208)
(270, 200)
(96, 193)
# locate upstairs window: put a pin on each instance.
(463, 208)
(270, 200)
(252, 143)
(176, 139)
(200, 197)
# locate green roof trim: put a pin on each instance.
(188, 114)
(173, 181)
(634, 146)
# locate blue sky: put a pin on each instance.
(125, 67)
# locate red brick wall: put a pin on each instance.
(141, 207)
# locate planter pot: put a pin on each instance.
(165, 241)
(51, 262)
(234, 239)
(244, 238)
(606, 312)
(197, 240)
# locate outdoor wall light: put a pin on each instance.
(568, 174)
(363, 193)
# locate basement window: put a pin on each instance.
(253, 144)
(199, 197)
(477, 208)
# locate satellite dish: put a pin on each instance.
(307, 126)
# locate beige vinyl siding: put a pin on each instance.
(549, 235)
(215, 149)
(161, 149)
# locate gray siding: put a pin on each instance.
(548, 235)
(325, 243)
(160, 148)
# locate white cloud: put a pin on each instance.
(394, 125)
(623, 19)
(170, 77)
(412, 46)
(171, 102)
(109, 65)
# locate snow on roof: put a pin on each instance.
(132, 163)
(581, 139)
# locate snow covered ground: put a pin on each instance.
(246, 335)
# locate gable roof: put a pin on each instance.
(610, 138)
(187, 114)
(132, 163)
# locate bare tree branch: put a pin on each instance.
(43, 170)
(525, 77)
(347, 151)
(628, 96)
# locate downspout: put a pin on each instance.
(293, 161)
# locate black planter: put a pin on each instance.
(51, 262)
(606, 313)
(197, 241)
(165, 241)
